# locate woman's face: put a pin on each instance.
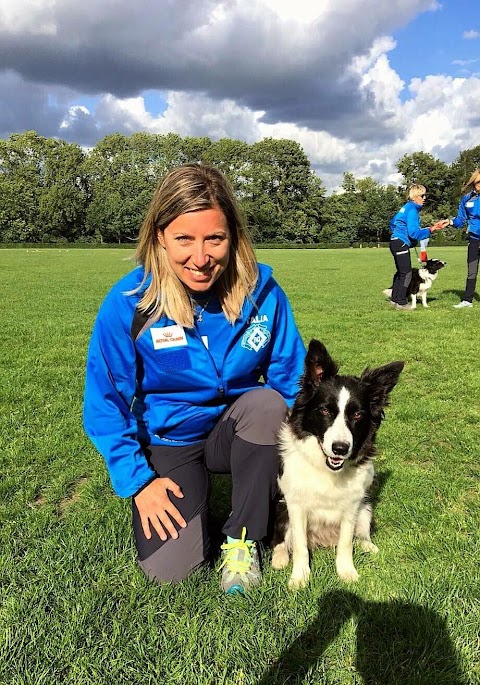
(198, 247)
(420, 197)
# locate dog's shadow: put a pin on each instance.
(397, 643)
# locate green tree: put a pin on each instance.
(436, 176)
(337, 224)
(123, 172)
(64, 196)
(22, 166)
(462, 168)
(278, 183)
(361, 213)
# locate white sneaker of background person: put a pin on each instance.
(462, 304)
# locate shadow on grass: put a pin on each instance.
(397, 644)
(460, 294)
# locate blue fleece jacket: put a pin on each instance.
(165, 389)
(469, 211)
(405, 225)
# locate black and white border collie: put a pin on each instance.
(326, 446)
(422, 280)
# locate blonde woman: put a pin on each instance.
(469, 213)
(193, 361)
(405, 227)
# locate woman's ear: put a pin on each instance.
(161, 238)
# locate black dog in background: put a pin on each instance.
(422, 281)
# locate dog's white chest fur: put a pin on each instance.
(427, 279)
(308, 482)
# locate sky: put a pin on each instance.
(357, 83)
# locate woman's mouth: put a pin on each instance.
(199, 274)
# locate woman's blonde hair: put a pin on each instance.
(468, 187)
(190, 188)
(416, 189)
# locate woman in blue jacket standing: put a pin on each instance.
(193, 362)
(405, 227)
(469, 212)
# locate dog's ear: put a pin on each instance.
(381, 382)
(318, 364)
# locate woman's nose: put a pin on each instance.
(200, 256)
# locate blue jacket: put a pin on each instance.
(164, 388)
(406, 224)
(469, 210)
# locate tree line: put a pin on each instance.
(54, 191)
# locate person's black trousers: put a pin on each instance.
(403, 274)
(472, 268)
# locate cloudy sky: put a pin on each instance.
(358, 83)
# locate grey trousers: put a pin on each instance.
(243, 444)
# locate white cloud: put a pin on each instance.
(302, 11)
(35, 17)
(471, 35)
(465, 62)
(319, 74)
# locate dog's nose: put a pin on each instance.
(340, 449)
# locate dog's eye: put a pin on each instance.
(324, 411)
(358, 415)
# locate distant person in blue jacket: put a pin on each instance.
(405, 228)
(469, 212)
(193, 362)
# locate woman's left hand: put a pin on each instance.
(439, 225)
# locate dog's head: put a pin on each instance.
(434, 265)
(342, 412)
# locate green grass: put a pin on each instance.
(75, 608)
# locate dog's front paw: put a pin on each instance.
(368, 546)
(299, 579)
(426, 306)
(348, 574)
(280, 557)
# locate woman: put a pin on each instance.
(405, 227)
(469, 211)
(193, 360)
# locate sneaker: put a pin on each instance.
(462, 304)
(404, 307)
(240, 566)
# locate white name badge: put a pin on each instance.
(469, 204)
(170, 336)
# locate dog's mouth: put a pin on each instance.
(335, 463)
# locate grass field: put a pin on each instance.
(75, 608)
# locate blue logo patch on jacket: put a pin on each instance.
(256, 337)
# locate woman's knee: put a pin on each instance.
(176, 559)
(258, 415)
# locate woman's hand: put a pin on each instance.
(439, 225)
(157, 510)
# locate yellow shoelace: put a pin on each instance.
(233, 563)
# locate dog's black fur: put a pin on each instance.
(422, 280)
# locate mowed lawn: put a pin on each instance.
(75, 608)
